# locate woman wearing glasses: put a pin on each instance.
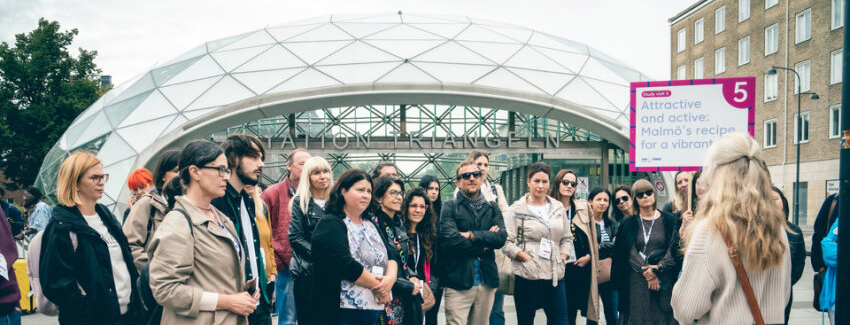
(539, 243)
(198, 263)
(421, 224)
(388, 196)
(643, 269)
(432, 188)
(580, 276)
(86, 266)
(622, 203)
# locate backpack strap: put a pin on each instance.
(150, 225)
(189, 220)
(745, 281)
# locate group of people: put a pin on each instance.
(210, 245)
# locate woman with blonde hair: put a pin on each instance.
(737, 212)
(307, 208)
(680, 195)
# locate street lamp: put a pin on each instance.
(799, 125)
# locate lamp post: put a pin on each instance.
(799, 125)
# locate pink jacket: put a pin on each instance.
(277, 198)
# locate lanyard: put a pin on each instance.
(416, 256)
(645, 234)
(377, 256)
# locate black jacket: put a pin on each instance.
(301, 226)
(62, 269)
(332, 263)
(397, 238)
(798, 252)
(457, 253)
(606, 249)
(823, 223)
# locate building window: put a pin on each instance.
(681, 73)
(771, 87)
(720, 60)
(801, 136)
(743, 10)
(770, 3)
(744, 50)
(804, 199)
(803, 69)
(834, 121)
(720, 20)
(680, 41)
(836, 64)
(837, 14)
(698, 68)
(770, 133)
(804, 25)
(699, 30)
(771, 39)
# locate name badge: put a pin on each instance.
(377, 270)
(545, 248)
(572, 256)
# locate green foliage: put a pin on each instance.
(42, 89)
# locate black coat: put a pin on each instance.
(823, 224)
(457, 253)
(798, 251)
(62, 269)
(396, 235)
(332, 263)
(301, 227)
(606, 249)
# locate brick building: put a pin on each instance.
(734, 38)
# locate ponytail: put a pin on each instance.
(172, 189)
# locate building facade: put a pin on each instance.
(735, 38)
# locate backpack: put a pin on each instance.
(43, 305)
(143, 284)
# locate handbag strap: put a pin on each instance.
(745, 281)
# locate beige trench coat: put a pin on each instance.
(582, 220)
(136, 227)
(534, 228)
(183, 267)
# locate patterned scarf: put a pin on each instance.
(476, 203)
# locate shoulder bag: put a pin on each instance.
(745, 281)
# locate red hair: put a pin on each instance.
(138, 178)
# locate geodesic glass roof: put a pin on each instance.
(334, 51)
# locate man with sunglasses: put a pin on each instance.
(471, 229)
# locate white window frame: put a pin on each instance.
(720, 20)
(837, 13)
(770, 4)
(771, 39)
(834, 128)
(806, 126)
(804, 69)
(681, 40)
(681, 72)
(769, 134)
(699, 31)
(803, 31)
(699, 68)
(771, 87)
(743, 10)
(744, 58)
(720, 60)
(836, 64)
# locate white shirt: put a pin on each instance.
(120, 273)
(248, 232)
(320, 203)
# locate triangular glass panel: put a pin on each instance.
(232, 59)
(478, 34)
(204, 68)
(213, 46)
(358, 52)
(408, 73)
(624, 72)
(92, 145)
(257, 38)
(403, 32)
(552, 42)
(225, 91)
(73, 133)
(117, 112)
(198, 112)
(118, 175)
(308, 79)
(94, 108)
(596, 70)
(360, 30)
(284, 33)
(262, 81)
(195, 52)
(155, 106)
(529, 58)
(579, 92)
(425, 18)
(617, 94)
(139, 136)
(272, 59)
(519, 34)
(178, 121)
(447, 30)
(358, 73)
(497, 52)
(370, 18)
(405, 49)
(570, 60)
(502, 78)
(312, 52)
(327, 32)
(143, 84)
(114, 150)
(451, 52)
(548, 81)
(163, 74)
(455, 73)
(181, 95)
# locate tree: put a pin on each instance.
(42, 89)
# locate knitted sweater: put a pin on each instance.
(709, 292)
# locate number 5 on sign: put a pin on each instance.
(738, 92)
(739, 89)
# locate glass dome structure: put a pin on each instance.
(241, 78)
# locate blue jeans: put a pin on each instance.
(284, 298)
(358, 316)
(14, 318)
(497, 314)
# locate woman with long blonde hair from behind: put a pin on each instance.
(738, 206)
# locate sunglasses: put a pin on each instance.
(465, 176)
(642, 194)
(621, 199)
(568, 183)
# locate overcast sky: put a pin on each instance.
(132, 36)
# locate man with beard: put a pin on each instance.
(245, 156)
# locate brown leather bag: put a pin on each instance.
(604, 271)
(745, 281)
(428, 300)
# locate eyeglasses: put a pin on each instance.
(465, 176)
(624, 198)
(418, 206)
(222, 171)
(396, 193)
(642, 194)
(568, 183)
(99, 178)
